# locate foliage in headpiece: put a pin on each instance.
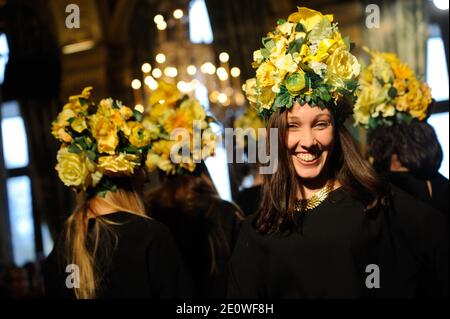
(170, 110)
(389, 92)
(98, 142)
(304, 59)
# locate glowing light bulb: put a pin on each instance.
(235, 72)
(146, 67)
(160, 58)
(178, 14)
(224, 57)
(136, 84)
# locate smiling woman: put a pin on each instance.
(326, 218)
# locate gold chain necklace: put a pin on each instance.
(303, 205)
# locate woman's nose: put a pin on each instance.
(307, 139)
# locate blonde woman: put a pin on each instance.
(109, 248)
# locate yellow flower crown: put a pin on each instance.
(389, 92)
(169, 111)
(98, 142)
(304, 59)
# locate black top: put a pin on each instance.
(144, 264)
(326, 255)
(249, 199)
(195, 232)
(418, 188)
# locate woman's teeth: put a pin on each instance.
(307, 157)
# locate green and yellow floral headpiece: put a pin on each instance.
(304, 59)
(170, 110)
(389, 92)
(99, 142)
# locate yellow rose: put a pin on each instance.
(118, 164)
(249, 88)
(402, 71)
(139, 135)
(72, 169)
(105, 133)
(266, 98)
(181, 118)
(343, 65)
(196, 109)
(264, 74)
(166, 92)
(286, 64)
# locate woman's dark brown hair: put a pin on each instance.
(415, 144)
(347, 165)
(191, 201)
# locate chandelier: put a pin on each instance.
(193, 67)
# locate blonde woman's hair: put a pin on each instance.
(76, 250)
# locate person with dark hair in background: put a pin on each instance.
(401, 145)
(328, 226)
(204, 226)
(410, 155)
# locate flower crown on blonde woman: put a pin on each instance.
(389, 92)
(305, 59)
(98, 142)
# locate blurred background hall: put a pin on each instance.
(121, 48)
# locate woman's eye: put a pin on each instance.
(322, 125)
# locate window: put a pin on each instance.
(199, 25)
(4, 54)
(440, 123)
(437, 77)
(18, 183)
